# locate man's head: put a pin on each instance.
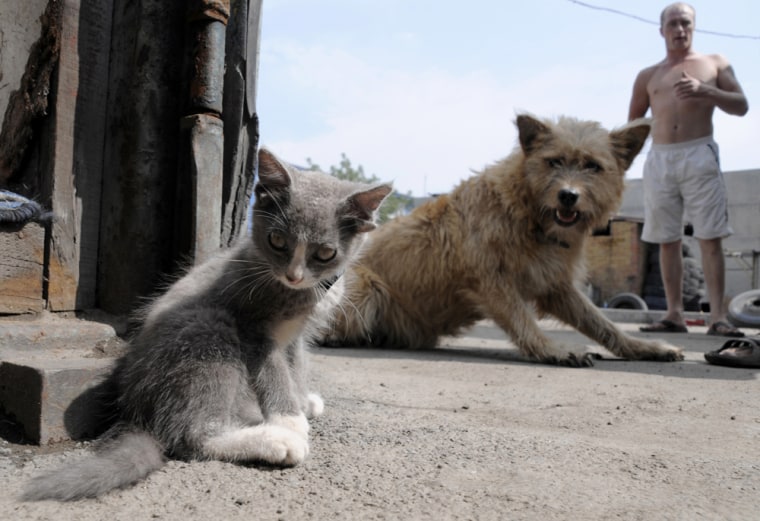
(677, 25)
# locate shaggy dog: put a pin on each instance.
(506, 244)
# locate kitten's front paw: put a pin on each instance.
(295, 422)
(315, 407)
(283, 446)
(275, 444)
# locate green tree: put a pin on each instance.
(392, 205)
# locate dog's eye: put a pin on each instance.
(554, 162)
(592, 165)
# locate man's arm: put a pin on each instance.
(640, 97)
(726, 94)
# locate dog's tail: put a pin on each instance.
(120, 462)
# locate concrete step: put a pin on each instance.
(49, 371)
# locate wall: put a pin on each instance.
(615, 262)
(743, 188)
(19, 29)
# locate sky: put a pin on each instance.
(424, 92)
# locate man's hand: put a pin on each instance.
(688, 86)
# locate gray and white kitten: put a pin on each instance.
(216, 369)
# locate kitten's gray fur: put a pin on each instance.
(216, 369)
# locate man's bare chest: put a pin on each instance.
(666, 76)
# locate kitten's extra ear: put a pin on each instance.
(273, 176)
(628, 141)
(362, 205)
(531, 132)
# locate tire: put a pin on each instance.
(658, 303)
(653, 280)
(653, 291)
(691, 304)
(744, 309)
(627, 301)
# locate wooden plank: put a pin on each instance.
(22, 253)
(241, 132)
(204, 135)
(77, 156)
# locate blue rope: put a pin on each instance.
(15, 208)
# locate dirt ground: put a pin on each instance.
(469, 431)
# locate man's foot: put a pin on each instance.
(737, 353)
(664, 326)
(721, 328)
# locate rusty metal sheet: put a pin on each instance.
(252, 55)
(207, 76)
(205, 133)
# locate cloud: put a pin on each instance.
(427, 128)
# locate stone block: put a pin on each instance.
(52, 399)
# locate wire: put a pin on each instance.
(652, 22)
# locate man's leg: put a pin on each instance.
(671, 269)
(714, 267)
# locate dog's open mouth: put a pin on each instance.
(565, 217)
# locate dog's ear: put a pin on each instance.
(530, 130)
(628, 141)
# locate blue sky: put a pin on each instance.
(422, 92)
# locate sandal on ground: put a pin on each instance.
(737, 353)
(721, 328)
(664, 326)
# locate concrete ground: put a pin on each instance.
(468, 431)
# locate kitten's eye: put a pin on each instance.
(554, 162)
(325, 253)
(592, 165)
(277, 241)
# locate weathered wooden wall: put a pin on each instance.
(22, 255)
(76, 153)
(107, 153)
(140, 163)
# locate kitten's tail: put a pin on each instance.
(121, 462)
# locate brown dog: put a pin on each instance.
(506, 244)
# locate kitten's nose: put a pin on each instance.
(294, 278)
(568, 197)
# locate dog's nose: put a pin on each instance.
(568, 197)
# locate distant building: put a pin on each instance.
(618, 262)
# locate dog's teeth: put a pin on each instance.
(566, 216)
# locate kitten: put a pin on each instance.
(216, 369)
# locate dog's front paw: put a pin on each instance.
(575, 360)
(665, 352)
(655, 350)
(564, 355)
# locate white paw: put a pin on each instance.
(296, 423)
(315, 407)
(282, 446)
(273, 444)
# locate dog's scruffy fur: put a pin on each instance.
(506, 244)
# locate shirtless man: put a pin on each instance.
(682, 171)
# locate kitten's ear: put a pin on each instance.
(362, 205)
(531, 132)
(273, 176)
(628, 141)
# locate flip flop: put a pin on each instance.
(664, 326)
(750, 360)
(728, 330)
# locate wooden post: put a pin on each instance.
(76, 157)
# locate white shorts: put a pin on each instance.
(684, 180)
